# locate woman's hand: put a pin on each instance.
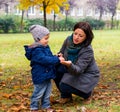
(67, 63)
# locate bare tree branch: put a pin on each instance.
(98, 4)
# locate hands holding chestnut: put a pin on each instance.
(62, 60)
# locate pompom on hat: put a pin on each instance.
(38, 32)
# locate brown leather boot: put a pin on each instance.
(87, 101)
(64, 100)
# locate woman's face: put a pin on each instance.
(78, 36)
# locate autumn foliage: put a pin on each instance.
(15, 77)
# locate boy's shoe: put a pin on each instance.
(50, 110)
(34, 111)
(64, 100)
(87, 101)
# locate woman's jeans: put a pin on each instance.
(41, 95)
(66, 90)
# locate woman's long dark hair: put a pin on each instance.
(85, 26)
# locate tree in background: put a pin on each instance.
(5, 3)
(66, 8)
(105, 6)
(112, 7)
(98, 4)
(45, 5)
(56, 9)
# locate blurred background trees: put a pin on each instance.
(61, 10)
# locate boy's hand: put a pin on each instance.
(61, 59)
(60, 55)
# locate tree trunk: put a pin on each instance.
(66, 22)
(112, 18)
(112, 22)
(27, 15)
(54, 22)
(6, 9)
(100, 16)
(44, 9)
(21, 23)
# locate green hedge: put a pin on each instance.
(95, 24)
(9, 23)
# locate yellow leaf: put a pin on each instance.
(6, 95)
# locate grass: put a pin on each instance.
(15, 81)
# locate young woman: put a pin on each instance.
(80, 73)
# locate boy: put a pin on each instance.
(42, 63)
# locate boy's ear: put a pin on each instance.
(38, 39)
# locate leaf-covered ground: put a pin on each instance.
(15, 78)
(15, 93)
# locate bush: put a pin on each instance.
(29, 22)
(9, 23)
(50, 25)
(60, 25)
(6, 24)
(70, 24)
(95, 24)
(65, 24)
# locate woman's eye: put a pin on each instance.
(75, 33)
(80, 36)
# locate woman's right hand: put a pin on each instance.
(67, 63)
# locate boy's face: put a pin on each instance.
(44, 41)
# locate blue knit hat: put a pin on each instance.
(38, 32)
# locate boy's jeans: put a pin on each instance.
(41, 94)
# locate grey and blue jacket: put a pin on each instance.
(84, 73)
